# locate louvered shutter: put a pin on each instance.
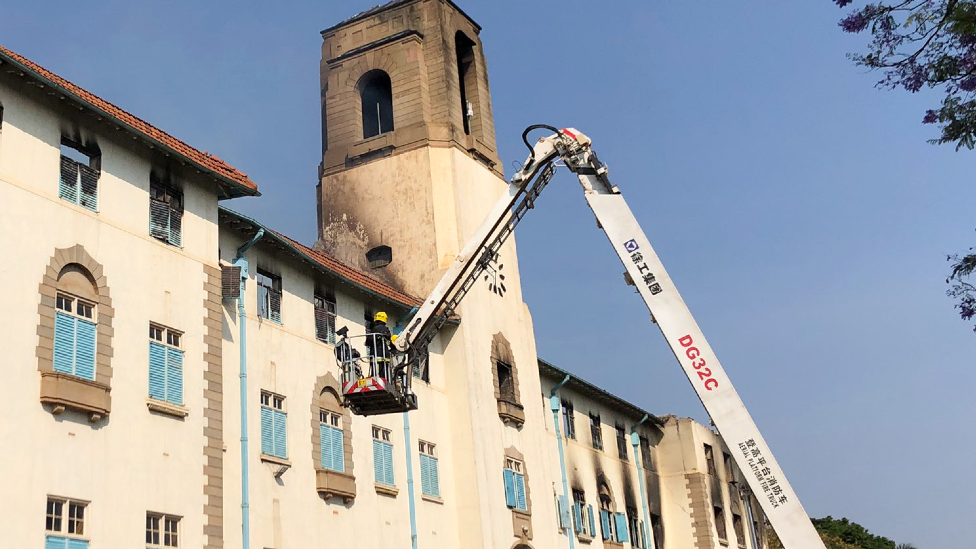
(77, 543)
(338, 450)
(280, 434)
(509, 477)
(621, 524)
(55, 542)
(157, 371)
(377, 461)
(388, 463)
(424, 475)
(267, 431)
(274, 298)
(520, 492)
(435, 479)
(85, 349)
(64, 343)
(325, 322)
(158, 219)
(430, 484)
(176, 226)
(578, 517)
(605, 523)
(325, 446)
(68, 189)
(589, 509)
(230, 281)
(174, 376)
(89, 187)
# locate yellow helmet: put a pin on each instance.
(380, 316)
(394, 337)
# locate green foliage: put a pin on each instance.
(841, 534)
(959, 286)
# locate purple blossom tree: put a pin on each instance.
(928, 43)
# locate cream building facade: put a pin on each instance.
(137, 362)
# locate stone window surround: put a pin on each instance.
(508, 411)
(325, 396)
(521, 520)
(63, 391)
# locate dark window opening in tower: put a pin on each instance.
(464, 48)
(376, 91)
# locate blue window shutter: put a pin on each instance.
(77, 543)
(325, 446)
(428, 476)
(64, 343)
(176, 227)
(592, 521)
(435, 481)
(89, 187)
(157, 371)
(85, 349)
(605, 523)
(55, 542)
(520, 492)
(377, 461)
(158, 219)
(280, 434)
(388, 462)
(424, 475)
(267, 431)
(622, 526)
(578, 517)
(338, 450)
(68, 188)
(174, 376)
(509, 476)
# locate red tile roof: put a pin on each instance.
(203, 160)
(352, 274)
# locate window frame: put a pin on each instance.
(710, 460)
(170, 342)
(331, 422)
(506, 391)
(322, 303)
(78, 310)
(77, 187)
(275, 404)
(569, 419)
(596, 431)
(429, 473)
(383, 437)
(170, 194)
(64, 519)
(270, 284)
(376, 86)
(516, 468)
(166, 538)
(645, 449)
(584, 528)
(621, 442)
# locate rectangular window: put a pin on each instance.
(729, 472)
(331, 441)
(74, 337)
(274, 437)
(657, 530)
(569, 420)
(162, 531)
(269, 296)
(720, 524)
(633, 521)
(165, 212)
(710, 460)
(506, 383)
(325, 318)
(645, 448)
(79, 175)
(165, 364)
(64, 524)
(621, 442)
(382, 456)
(740, 534)
(581, 519)
(514, 477)
(596, 433)
(429, 479)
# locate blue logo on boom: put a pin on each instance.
(631, 245)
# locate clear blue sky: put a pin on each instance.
(799, 210)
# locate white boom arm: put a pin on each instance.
(721, 401)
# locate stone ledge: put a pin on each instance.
(167, 408)
(335, 484)
(583, 538)
(64, 391)
(432, 499)
(511, 412)
(387, 490)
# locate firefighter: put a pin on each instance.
(378, 343)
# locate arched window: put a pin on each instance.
(464, 49)
(75, 323)
(332, 441)
(376, 92)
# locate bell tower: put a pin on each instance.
(405, 98)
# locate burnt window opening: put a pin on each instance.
(710, 460)
(729, 471)
(634, 525)
(506, 383)
(596, 434)
(464, 50)
(569, 421)
(80, 169)
(621, 442)
(376, 92)
(165, 211)
(740, 534)
(325, 317)
(645, 449)
(269, 296)
(720, 524)
(657, 530)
